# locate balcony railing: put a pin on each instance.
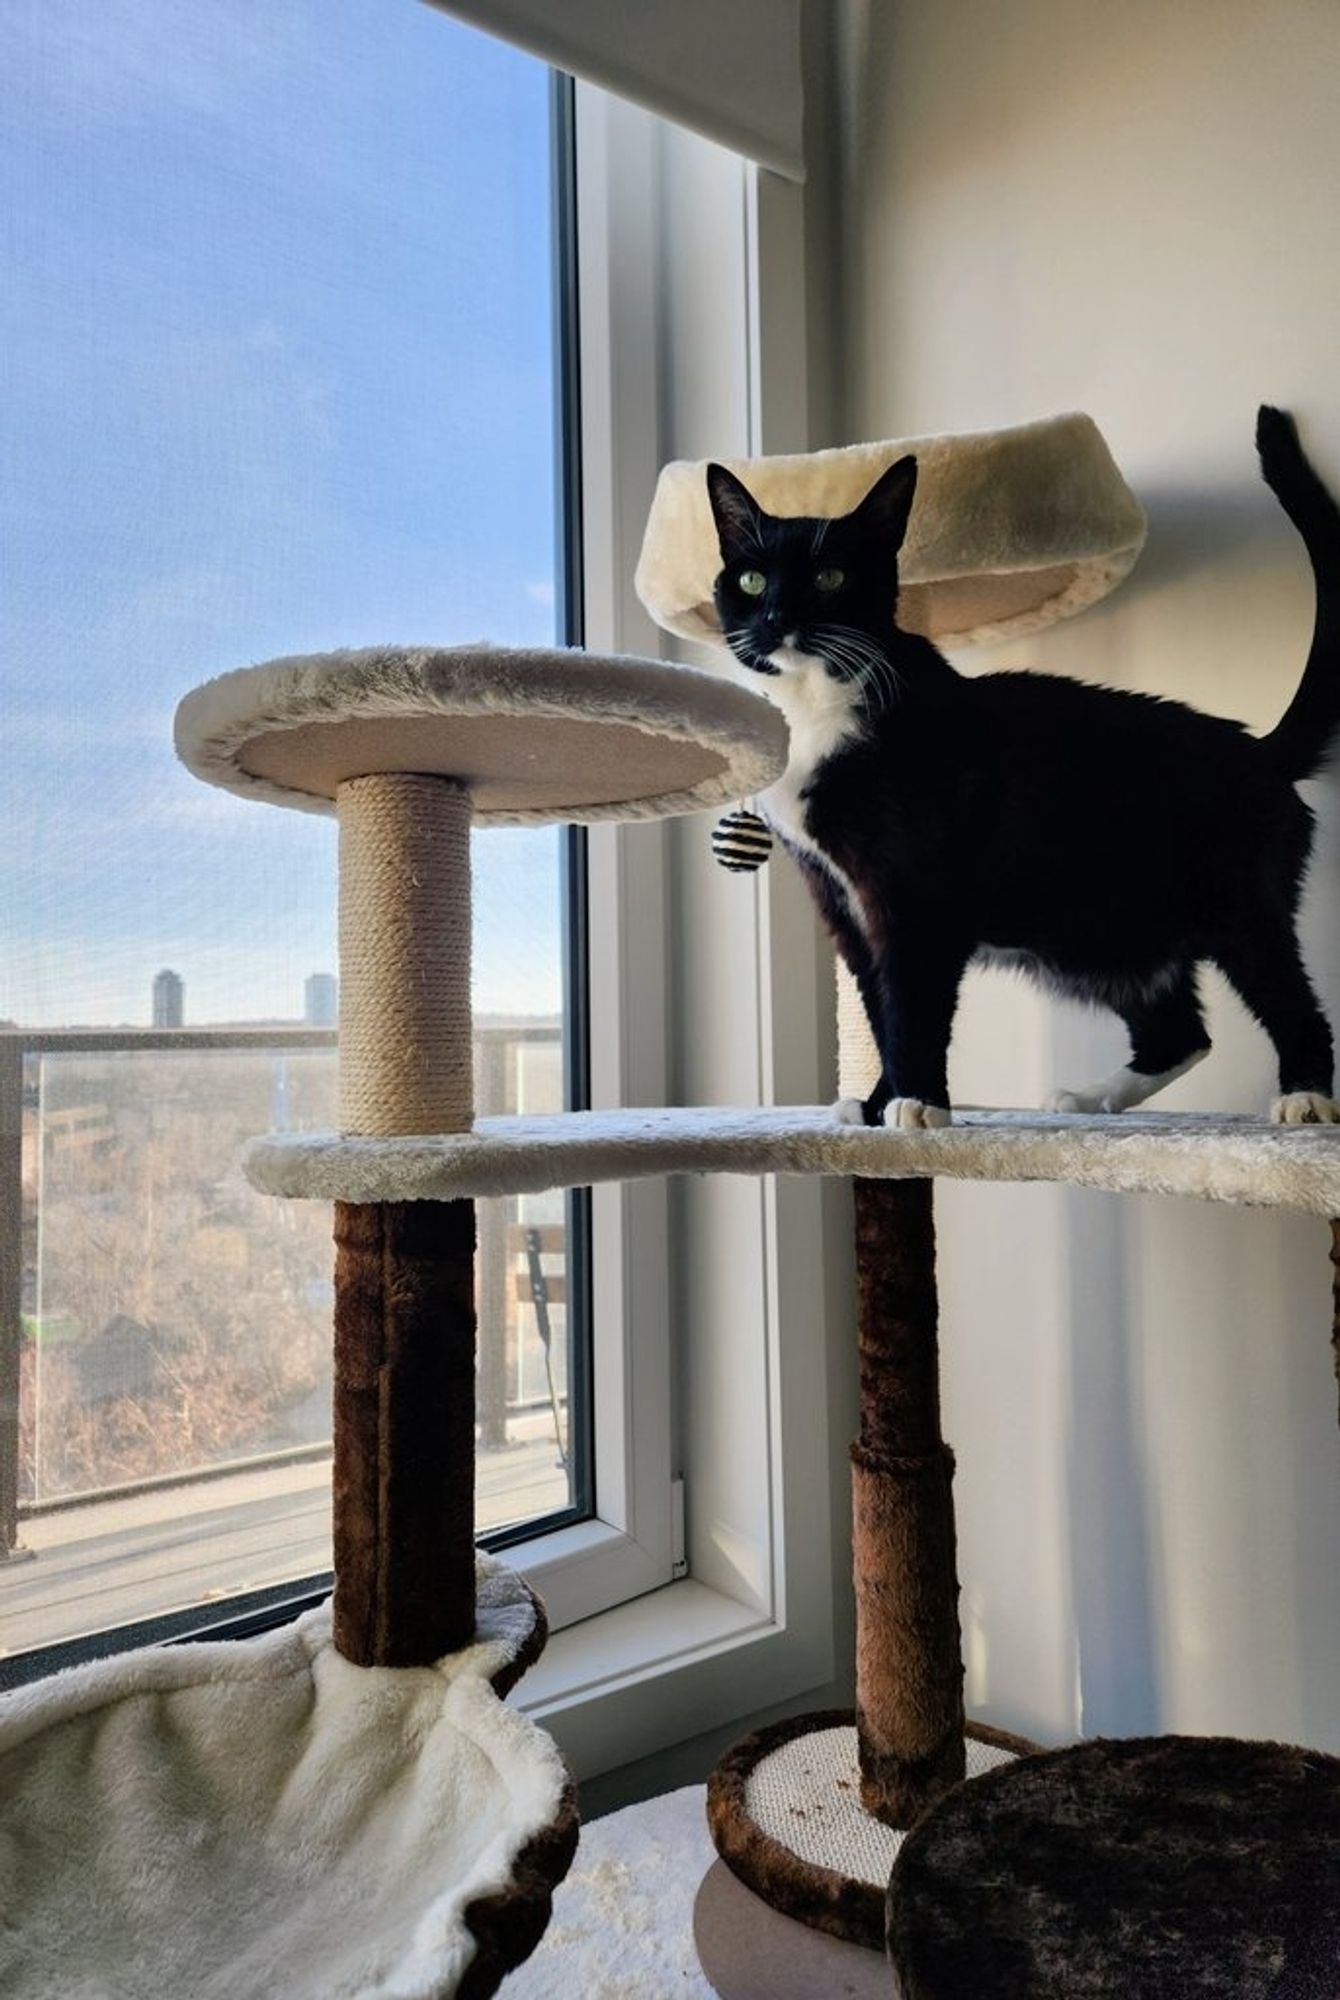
(163, 1328)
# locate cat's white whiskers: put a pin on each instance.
(875, 675)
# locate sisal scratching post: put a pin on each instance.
(1012, 530)
(403, 1475)
(405, 1029)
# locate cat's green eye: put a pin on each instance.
(752, 582)
(830, 579)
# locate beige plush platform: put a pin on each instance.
(1218, 1158)
(240, 1821)
(534, 735)
(1011, 529)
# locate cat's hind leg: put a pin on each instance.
(1168, 1038)
(1268, 972)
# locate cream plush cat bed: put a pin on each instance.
(1012, 529)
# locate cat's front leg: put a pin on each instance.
(855, 954)
(914, 995)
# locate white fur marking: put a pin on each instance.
(822, 713)
(849, 1111)
(1121, 1090)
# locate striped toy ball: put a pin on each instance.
(741, 841)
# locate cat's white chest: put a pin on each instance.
(821, 714)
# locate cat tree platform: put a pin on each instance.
(1243, 1159)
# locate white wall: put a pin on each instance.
(1130, 210)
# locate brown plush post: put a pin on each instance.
(404, 1430)
(909, 1673)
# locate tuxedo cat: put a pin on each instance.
(1102, 842)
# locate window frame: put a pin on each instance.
(695, 342)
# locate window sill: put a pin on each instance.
(663, 1668)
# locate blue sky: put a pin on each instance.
(275, 376)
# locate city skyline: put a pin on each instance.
(305, 1016)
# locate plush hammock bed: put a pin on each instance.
(264, 1818)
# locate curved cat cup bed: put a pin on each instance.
(1012, 529)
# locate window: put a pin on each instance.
(280, 375)
(720, 1335)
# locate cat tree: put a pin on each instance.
(347, 1807)
(1004, 1889)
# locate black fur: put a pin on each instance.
(1105, 841)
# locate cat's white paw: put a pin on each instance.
(1086, 1102)
(849, 1111)
(1122, 1090)
(909, 1114)
(1305, 1107)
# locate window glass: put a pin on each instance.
(276, 317)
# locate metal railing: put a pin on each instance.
(79, 1129)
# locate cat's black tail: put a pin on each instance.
(1305, 733)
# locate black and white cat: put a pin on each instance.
(1103, 842)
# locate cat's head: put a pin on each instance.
(793, 588)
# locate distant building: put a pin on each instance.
(322, 1005)
(169, 1000)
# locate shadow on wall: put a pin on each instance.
(1112, 1582)
(1204, 1463)
(1199, 1340)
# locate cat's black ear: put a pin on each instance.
(738, 516)
(883, 514)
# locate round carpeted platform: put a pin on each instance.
(1138, 1870)
(784, 1808)
(534, 734)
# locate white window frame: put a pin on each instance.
(722, 1307)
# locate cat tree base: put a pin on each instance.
(784, 1808)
